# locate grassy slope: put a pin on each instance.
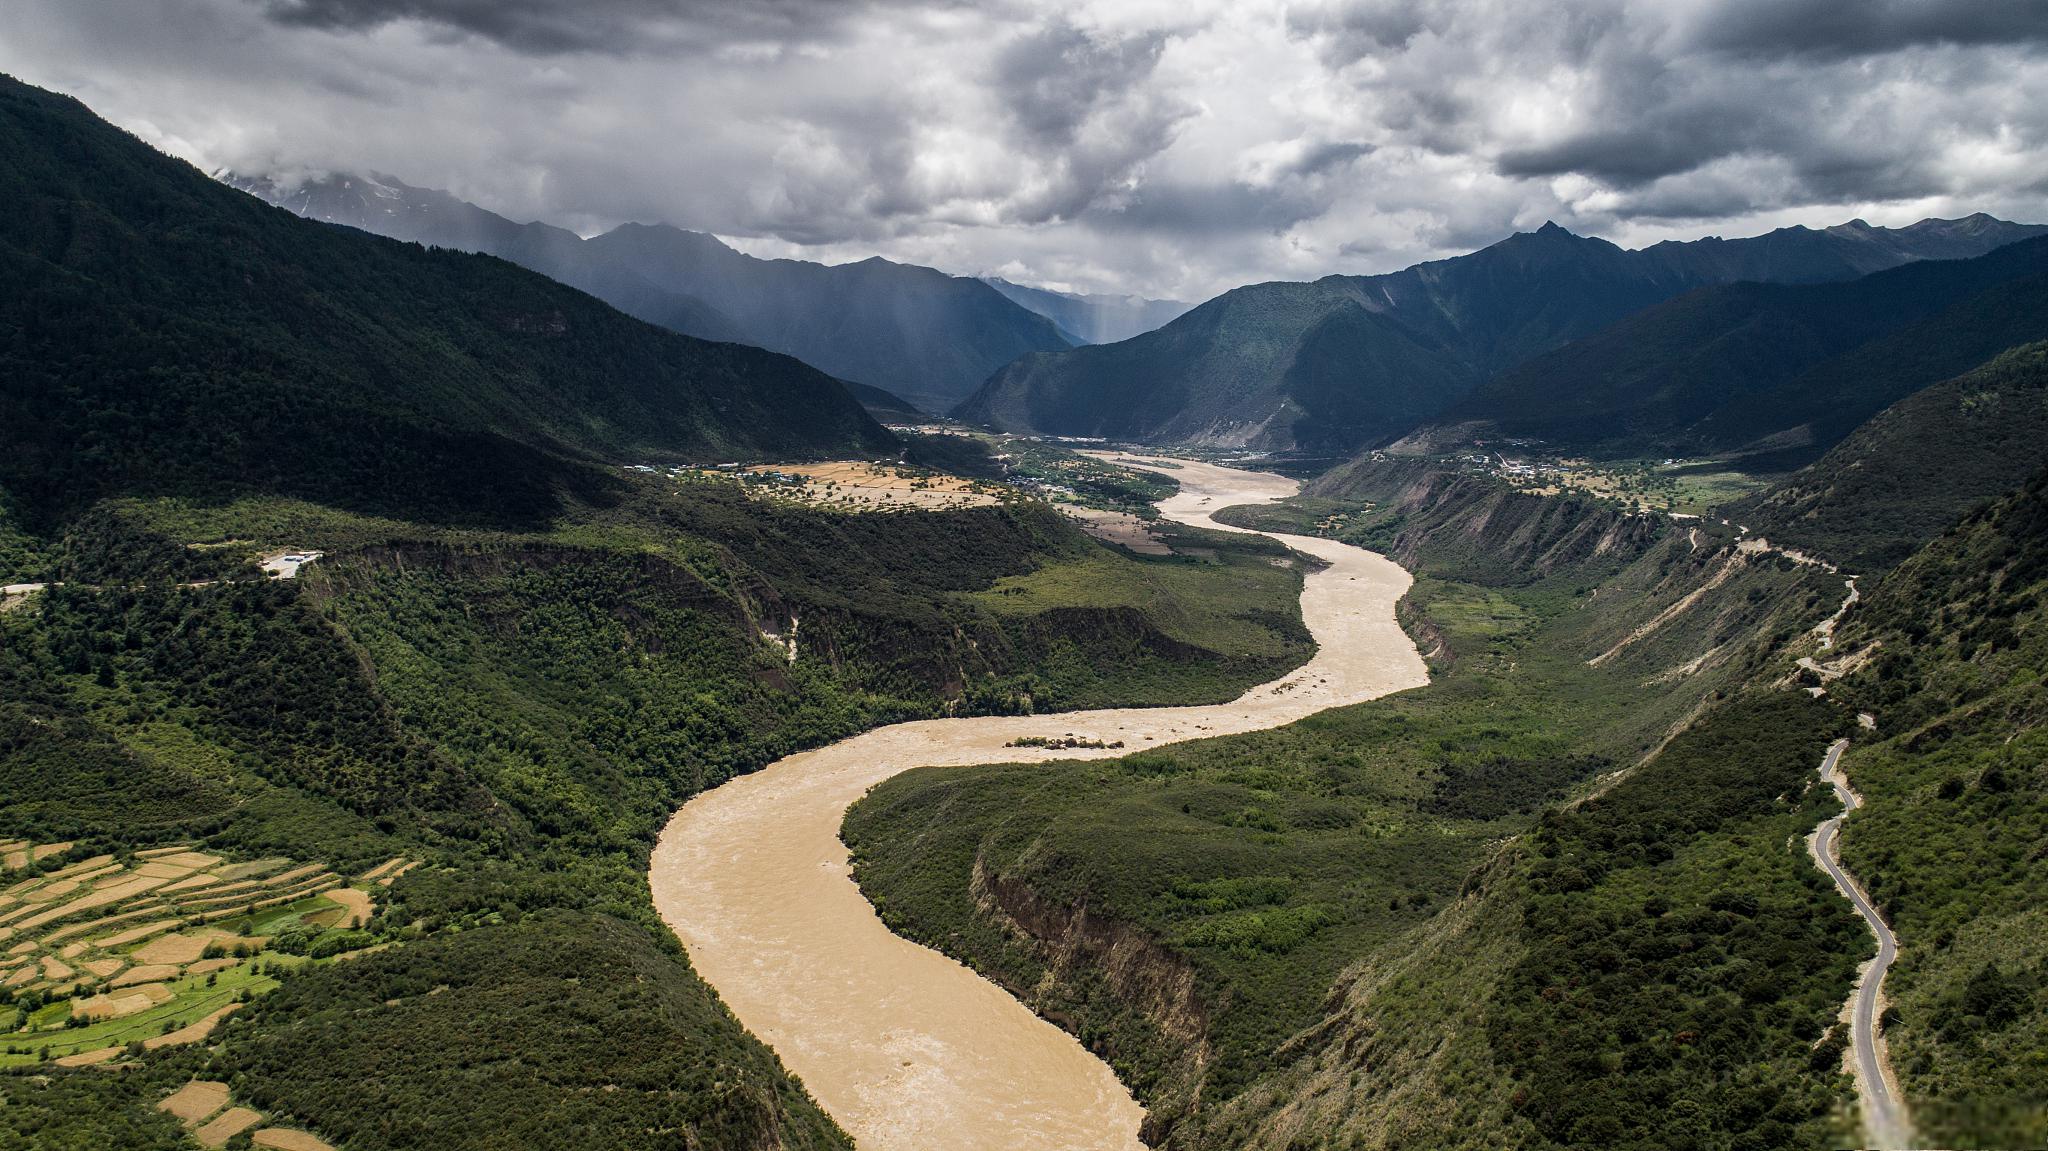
(1283, 876)
(1916, 467)
(1952, 839)
(447, 1043)
(1658, 967)
(162, 333)
(523, 709)
(1261, 864)
(1728, 367)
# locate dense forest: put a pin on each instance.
(161, 333)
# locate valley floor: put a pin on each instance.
(898, 1042)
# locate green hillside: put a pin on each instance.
(1441, 919)
(1347, 360)
(522, 711)
(512, 662)
(1916, 467)
(161, 333)
(1769, 368)
(1275, 876)
(1951, 839)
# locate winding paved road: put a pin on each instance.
(1884, 1117)
(905, 1047)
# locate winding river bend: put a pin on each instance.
(906, 1048)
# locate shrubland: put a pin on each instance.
(1536, 897)
(521, 710)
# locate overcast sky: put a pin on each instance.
(1168, 147)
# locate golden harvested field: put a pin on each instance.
(121, 1004)
(856, 485)
(286, 1139)
(177, 948)
(192, 1032)
(19, 853)
(202, 1106)
(88, 1058)
(146, 973)
(355, 905)
(387, 867)
(226, 1126)
(195, 1101)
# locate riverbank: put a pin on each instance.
(903, 1046)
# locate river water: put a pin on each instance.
(907, 1049)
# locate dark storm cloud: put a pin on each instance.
(1054, 80)
(547, 27)
(1168, 147)
(1841, 28)
(1087, 101)
(1216, 209)
(1323, 157)
(1835, 101)
(1633, 154)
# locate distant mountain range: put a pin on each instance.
(169, 335)
(1776, 369)
(929, 337)
(1349, 360)
(1092, 319)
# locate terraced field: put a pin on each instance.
(155, 948)
(206, 1110)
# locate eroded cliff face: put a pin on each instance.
(1093, 969)
(1436, 520)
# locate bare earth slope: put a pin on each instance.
(905, 1047)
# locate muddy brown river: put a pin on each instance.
(906, 1048)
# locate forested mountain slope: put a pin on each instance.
(925, 335)
(1377, 927)
(1349, 359)
(1955, 824)
(1915, 467)
(519, 713)
(166, 334)
(1560, 898)
(1768, 367)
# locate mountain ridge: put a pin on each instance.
(169, 333)
(925, 335)
(1277, 365)
(1751, 366)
